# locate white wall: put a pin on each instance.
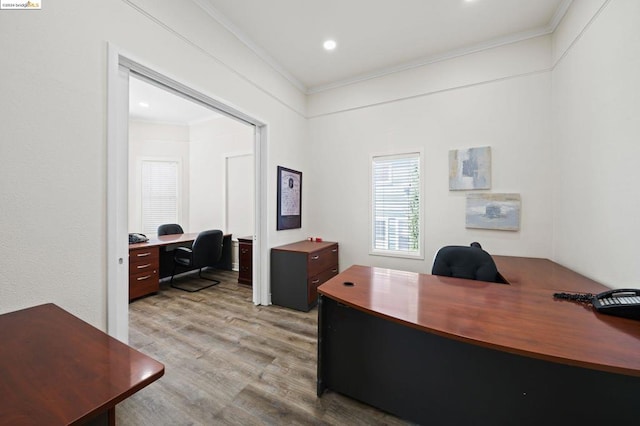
(53, 139)
(157, 141)
(53, 133)
(211, 142)
(596, 105)
(498, 98)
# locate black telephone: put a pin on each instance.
(137, 238)
(620, 302)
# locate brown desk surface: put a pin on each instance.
(165, 240)
(519, 319)
(543, 273)
(57, 369)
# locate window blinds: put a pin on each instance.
(159, 194)
(396, 204)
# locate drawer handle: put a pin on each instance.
(334, 270)
(316, 257)
(146, 277)
(244, 251)
(143, 266)
(315, 281)
(334, 250)
(143, 254)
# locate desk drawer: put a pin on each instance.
(143, 283)
(322, 260)
(142, 256)
(144, 267)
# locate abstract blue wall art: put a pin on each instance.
(470, 168)
(493, 211)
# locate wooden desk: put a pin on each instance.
(148, 263)
(543, 273)
(56, 369)
(442, 350)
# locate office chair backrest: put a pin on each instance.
(169, 229)
(471, 263)
(207, 248)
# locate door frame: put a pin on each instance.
(119, 67)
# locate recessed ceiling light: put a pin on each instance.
(143, 104)
(329, 45)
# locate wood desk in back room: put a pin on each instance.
(150, 261)
(447, 351)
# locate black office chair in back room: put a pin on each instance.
(205, 252)
(472, 263)
(169, 229)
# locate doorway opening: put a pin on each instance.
(123, 72)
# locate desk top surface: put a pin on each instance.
(165, 240)
(57, 369)
(523, 319)
(543, 273)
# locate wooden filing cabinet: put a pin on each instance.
(298, 269)
(144, 266)
(245, 260)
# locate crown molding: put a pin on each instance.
(243, 38)
(501, 41)
(560, 12)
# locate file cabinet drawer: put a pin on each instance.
(322, 260)
(245, 260)
(314, 282)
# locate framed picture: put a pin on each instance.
(470, 168)
(289, 199)
(493, 211)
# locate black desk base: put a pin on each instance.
(429, 379)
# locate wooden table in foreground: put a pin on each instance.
(56, 369)
(440, 350)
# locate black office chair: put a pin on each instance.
(205, 252)
(472, 263)
(169, 229)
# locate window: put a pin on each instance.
(159, 194)
(395, 216)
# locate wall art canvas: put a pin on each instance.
(470, 168)
(493, 211)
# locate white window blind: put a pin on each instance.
(159, 194)
(396, 222)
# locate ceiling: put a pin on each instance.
(148, 102)
(375, 37)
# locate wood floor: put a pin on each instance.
(229, 362)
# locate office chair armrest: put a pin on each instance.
(182, 252)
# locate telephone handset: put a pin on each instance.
(137, 238)
(619, 302)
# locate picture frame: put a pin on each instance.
(470, 169)
(493, 211)
(289, 201)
